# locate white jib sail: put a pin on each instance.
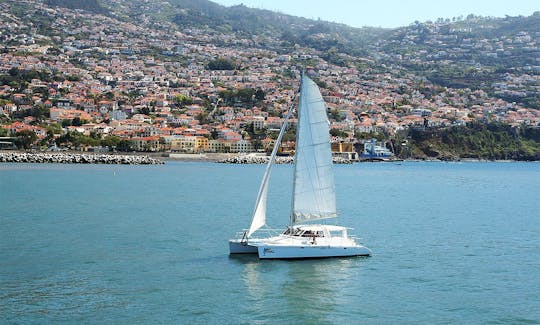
(259, 213)
(314, 191)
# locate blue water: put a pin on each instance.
(454, 243)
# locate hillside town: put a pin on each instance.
(151, 86)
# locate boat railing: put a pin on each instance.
(260, 233)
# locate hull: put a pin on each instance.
(236, 246)
(315, 251)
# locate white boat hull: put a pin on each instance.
(237, 246)
(310, 251)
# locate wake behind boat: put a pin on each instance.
(314, 195)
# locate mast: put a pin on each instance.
(300, 98)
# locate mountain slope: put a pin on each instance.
(207, 15)
(87, 5)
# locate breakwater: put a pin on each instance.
(76, 158)
(249, 159)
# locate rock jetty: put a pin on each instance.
(251, 159)
(77, 158)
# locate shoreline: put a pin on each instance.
(153, 158)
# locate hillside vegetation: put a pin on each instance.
(492, 141)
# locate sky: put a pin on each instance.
(390, 13)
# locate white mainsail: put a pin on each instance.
(314, 195)
(259, 213)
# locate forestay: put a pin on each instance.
(259, 213)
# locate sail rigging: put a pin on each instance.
(259, 213)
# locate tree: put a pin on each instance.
(55, 128)
(221, 64)
(290, 134)
(203, 118)
(257, 144)
(260, 94)
(25, 138)
(123, 145)
(246, 95)
(144, 110)
(77, 121)
(338, 133)
(95, 135)
(336, 115)
(48, 139)
(111, 141)
(40, 112)
(182, 100)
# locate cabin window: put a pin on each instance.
(336, 233)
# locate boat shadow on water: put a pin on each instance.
(249, 258)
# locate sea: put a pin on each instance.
(453, 243)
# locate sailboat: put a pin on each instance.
(314, 195)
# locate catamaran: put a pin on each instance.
(314, 195)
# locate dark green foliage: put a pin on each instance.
(247, 96)
(221, 64)
(338, 133)
(532, 101)
(532, 134)
(334, 114)
(254, 133)
(25, 139)
(144, 110)
(75, 139)
(214, 134)
(111, 141)
(182, 100)
(124, 145)
(53, 128)
(40, 112)
(203, 118)
(21, 78)
(260, 94)
(481, 141)
(290, 134)
(77, 121)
